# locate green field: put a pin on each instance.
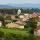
(10, 34)
(16, 34)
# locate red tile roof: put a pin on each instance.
(37, 28)
(36, 14)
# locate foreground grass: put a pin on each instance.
(16, 34)
(13, 34)
(14, 31)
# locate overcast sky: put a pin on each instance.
(19, 1)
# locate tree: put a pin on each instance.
(31, 24)
(2, 19)
(31, 11)
(8, 17)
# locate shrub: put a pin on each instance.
(1, 34)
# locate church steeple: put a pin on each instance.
(18, 12)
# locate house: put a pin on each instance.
(37, 31)
(24, 17)
(34, 14)
(38, 14)
(14, 25)
(6, 15)
(38, 23)
(8, 21)
(0, 23)
(13, 17)
(39, 18)
(30, 15)
(20, 22)
(21, 16)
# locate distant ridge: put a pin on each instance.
(20, 6)
(6, 6)
(27, 5)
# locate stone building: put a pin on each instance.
(37, 31)
(0, 23)
(14, 25)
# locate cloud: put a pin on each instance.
(19, 1)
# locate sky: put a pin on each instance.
(19, 1)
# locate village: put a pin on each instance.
(19, 20)
(26, 21)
